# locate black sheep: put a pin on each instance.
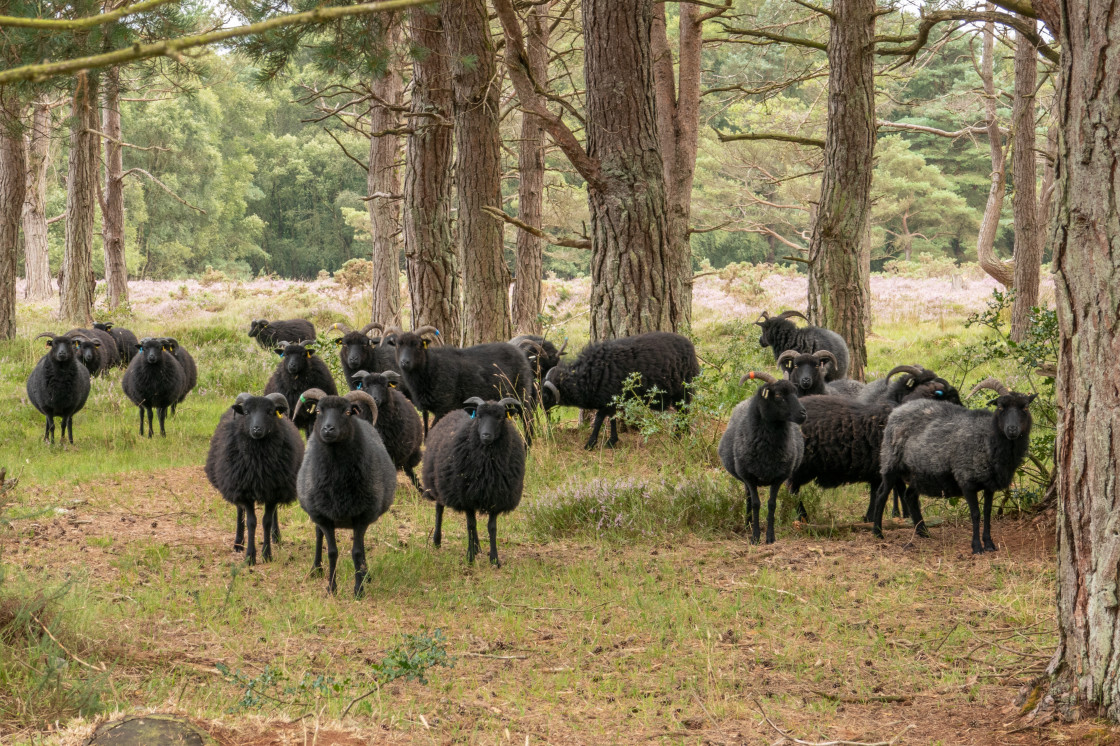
(190, 368)
(154, 380)
(271, 334)
(98, 350)
(347, 480)
(397, 420)
(763, 445)
(807, 370)
(475, 463)
(253, 459)
(299, 369)
(883, 389)
(59, 385)
(665, 360)
(125, 339)
(357, 350)
(440, 379)
(781, 334)
(542, 354)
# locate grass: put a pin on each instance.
(629, 607)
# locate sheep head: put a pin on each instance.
(257, 327)
(777, 399)
(61, 346)
(412, 347)
(377, 385)
(490, 417)
(296, 356)
(1012, 418)
(261, 413)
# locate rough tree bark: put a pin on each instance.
(383, 183)
(77, 282)
(433, 274)
(1024, 201)
(1086, 244)
(1002, 272)
(112, 205)
(840, 247)
(13, 182)
(530, 188)
(36, 261)
(478, 171)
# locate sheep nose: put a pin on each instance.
(256, 431)
(806, 382)
(800, 417)
(327, 432)
(486, 438)
(1013, 431)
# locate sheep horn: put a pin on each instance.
(359, 374)
(45, 334)
(911, 369)
(245, 396)
(474, 401)
(392, 376)
(552, 387)
(522, 342)
(372, 325)
(763, 318)
(429, 329)
(390, 333)
(990, 383)
(765, 377)
(563, 347)
(280, 399)
(787, 314)
(341, 326)
(821, 354)
(787, 355)
(510, 401)
(364, 398)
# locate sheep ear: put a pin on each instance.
(279, 351)
(281, 403)
(392, 377)
(310, 351)
(236, 407)
(513, 406)
(97, 345)
(471, 405)
(765, 393)
(1031, 398)
(911, 383)
(338, 341)
(139, 347)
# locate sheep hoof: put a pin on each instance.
(238, 547)
(316, 572)
(496, 563)
(250, 559)
(989, 546)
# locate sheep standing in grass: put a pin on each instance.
(944, 450)
(347, 479)
(357, 350)
(808, 370)
(663, 360)
(475, 463)
(397, 420)
(190, 368)
(154, 381)
(271, 334)
(781, 334)
(763, 445)
(125, 339)
(299, 369)
(253, 459)
(59, 385)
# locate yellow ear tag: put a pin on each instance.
(765, 393)
(309, 354)
(509, 414)
(392, 385)
(424, 344)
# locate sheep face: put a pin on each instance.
(1013, 418)
(262, 414)
(779, 401)
(352, 345)
(63, 348)
(297, 358)
(151, 349)
(377, 385)
(102, 325)
(257, 327)
(804, 370)
(334, 419)
(489, 418)
(412, 351)
(89, 350)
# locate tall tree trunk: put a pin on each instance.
(840, 248)
(433, 273)
(1001, 271)
(1087, 263)
(36, 261)
(478, 171)
(1028, 238)
(383, 184)
(678, 124)
(13, 175)
(530, 189)
(631, 255)
(112, 208)
(77, 285)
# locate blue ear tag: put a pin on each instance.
(472, 415)
(359, 385)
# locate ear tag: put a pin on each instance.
(309, 354)
(338, 341)
(509, 414)
(472, 415)
(392, 385)
(424, 344)
(359, 385)
(279, 415)
(910, 383)
(765, 393)
(51, 344)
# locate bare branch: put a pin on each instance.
(124, 144)
(776, 38)
(573, 243)
(816, 9)
(779, 136)
(973, 130)
(162, 186)
(363, 166)
(59, 24)
(932, 19)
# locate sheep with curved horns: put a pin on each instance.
(299, 369)
(270, 334)
(59, 384)
(542, 354)
(763, 445)
(357, 350)
(475, 462)
(944, 450)
(254, 457)
(883, 389)
(397, 420)
(781, 334)
(346, 480)
(808, 370)
(154, 380)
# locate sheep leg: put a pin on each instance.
(239, 535)
(912, 503)
(869, 516)
(753, 507)
(425, 424)
(473, 546)
(595, 426)
(269, 521)
(437, 534)
(974, 514)
(68, 427)
(149, 411)
(48, 430)
(989, 545)
(317, 563)
(358, 554)
(141, 408)
(162, 417)
(276, 524)
(408, 470)
(251, 534)
(492, 529)
(771, 509)
(332, 559)
(885, 487)
(614, 434)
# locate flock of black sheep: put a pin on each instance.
(907, 434)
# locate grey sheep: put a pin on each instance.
(944, 450)
(59, 385)
(475, 463)
(299, 369)
(347, 479)
(598, 375)
(190, 368)
(781, 334)
(125, 339)
(254, 457)
(270, 334)
(154, 380)
(397, 420)
(763, 445)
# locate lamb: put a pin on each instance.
(299, 369)
(59, 385)
(154, 380)
(763, 445)
(346, 480)
(271, 334)
(359, 351)
(780, 334)
(439, 379)
(943, 450)
(190, 368)
(397, 420)
(475, 462)
(98, 352)
(664, 360)
(254, 457)
(125, 339)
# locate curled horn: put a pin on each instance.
(509, 401)
(46, 334)
(764, 377)
(392, 376)
(563, 347)
(389, 333)
(787, 355)
(279, 399)
(763, 318)
(788, 314)
(474, 401)
(364, 398)
(552, 387)
(307, 400)
(341, 326)
(359, 375)
(825, 354)
(429, 329)
(373, 325)
(990, 383)
(245, 396)
(523, 342)
(911, 369)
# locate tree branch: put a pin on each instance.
(124, 144)
(816, 9)
(780, 137)
(932, 19)
(363, 166)
(573, 243)
(59, 24)
(973, 130)
(162, 186)
(778, 38)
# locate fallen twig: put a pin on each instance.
(67, 650)
(546, 608)
(788, 737)
(771, 588)
(896, 525)
(497, 657)
(862, 700)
